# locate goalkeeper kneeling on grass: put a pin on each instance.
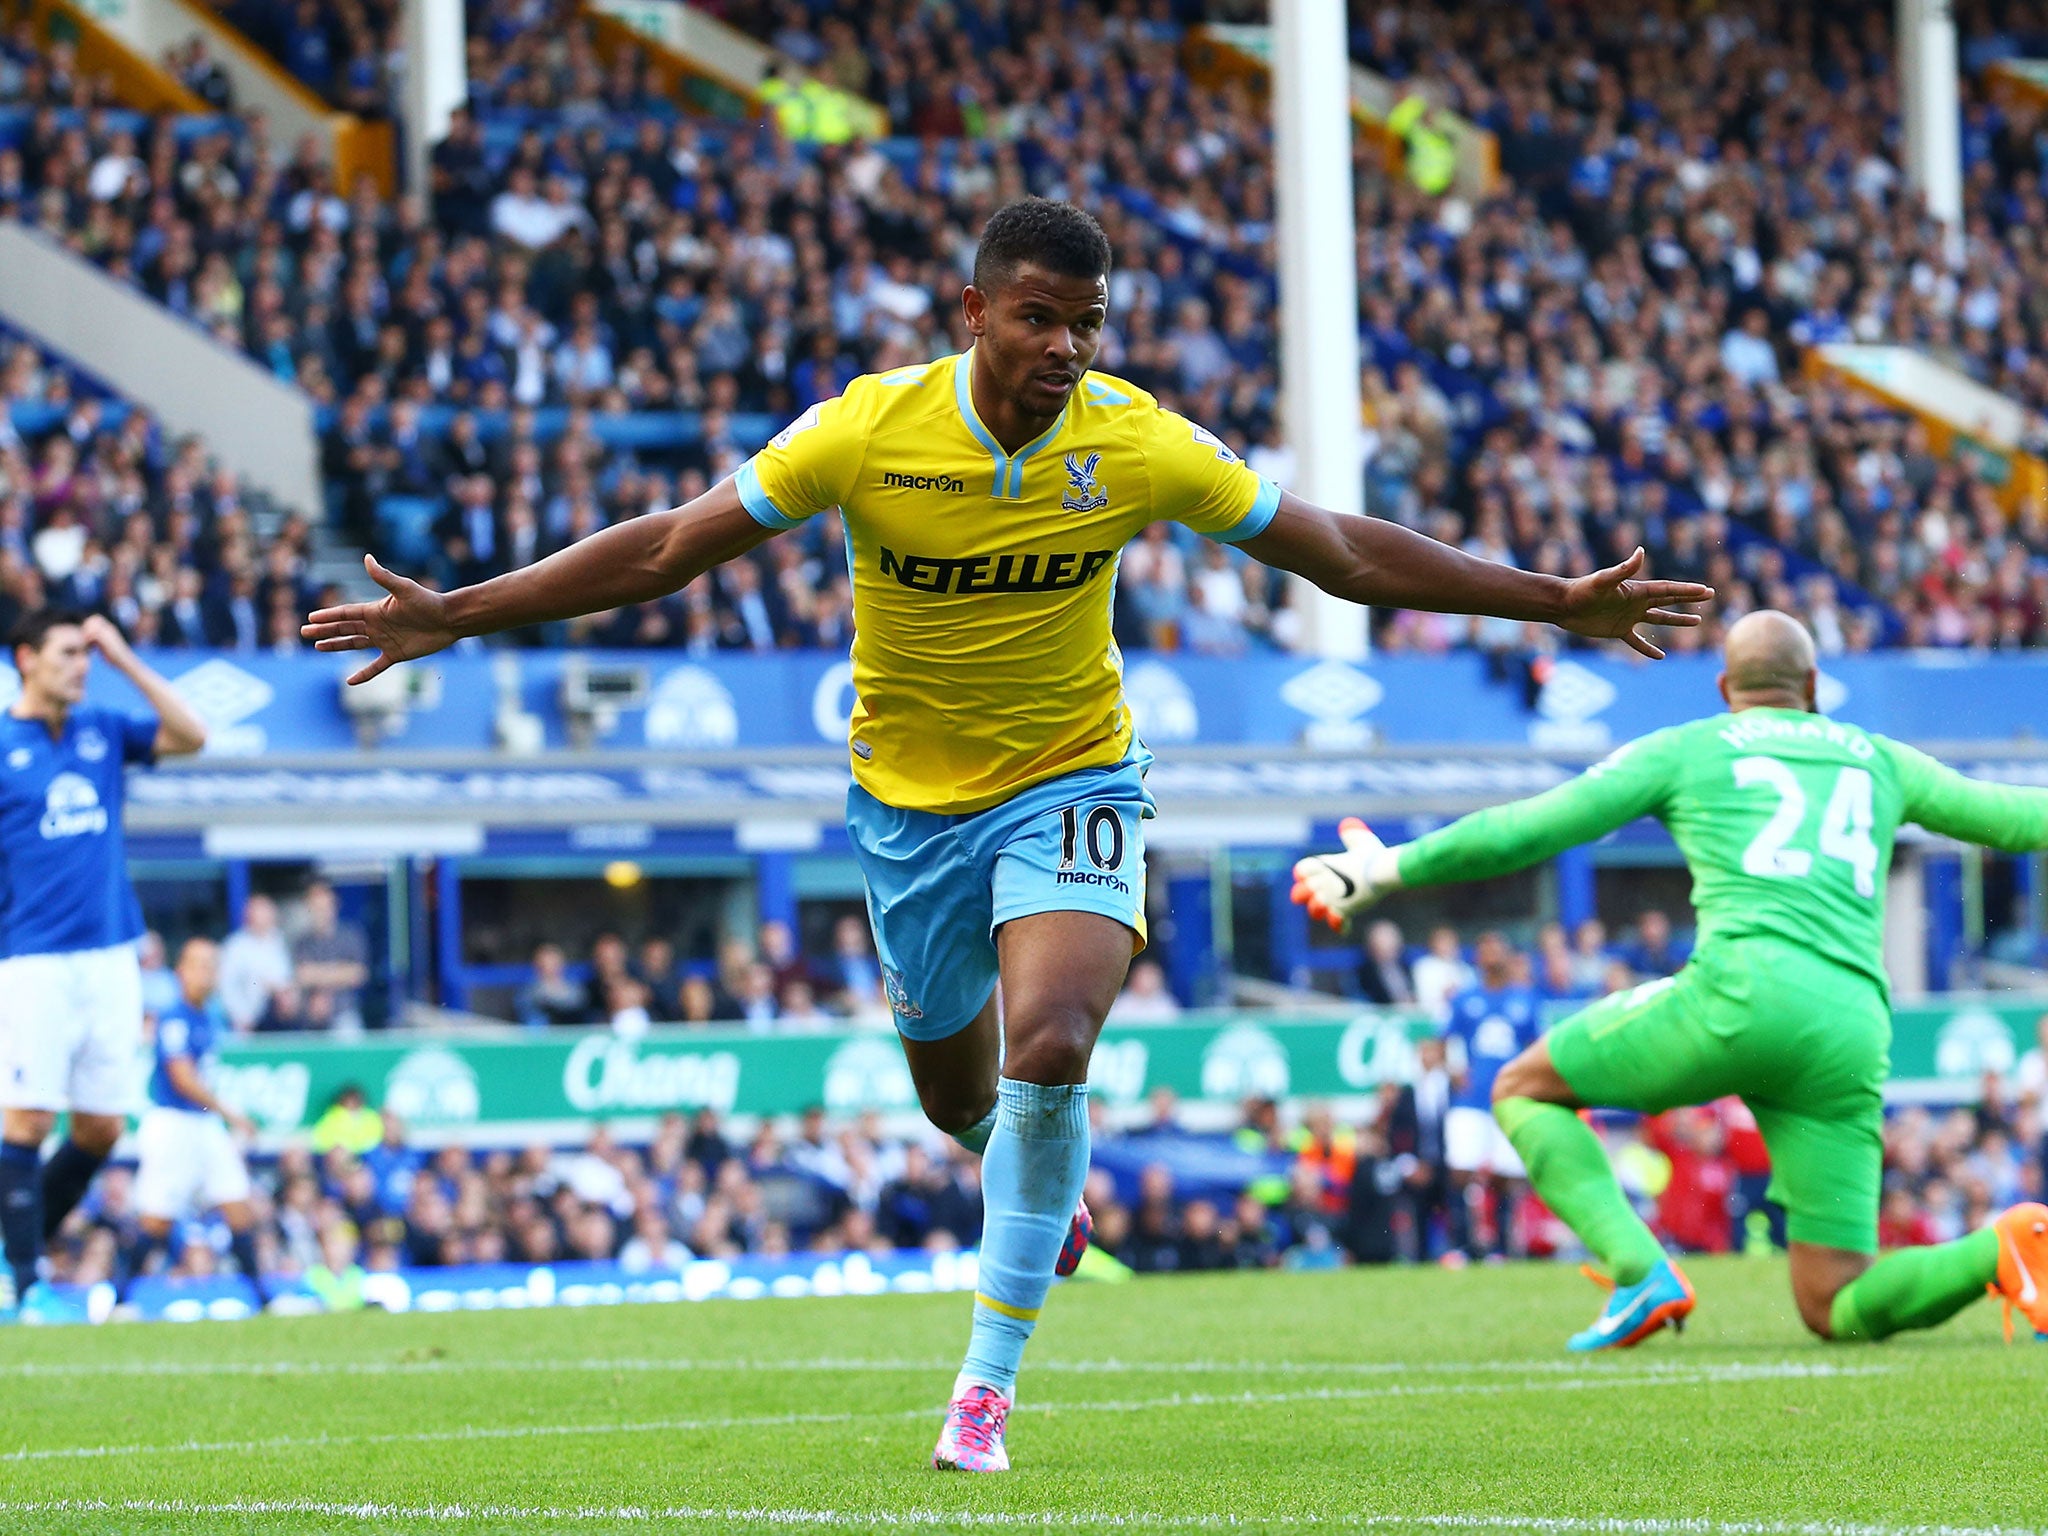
(1786, 820)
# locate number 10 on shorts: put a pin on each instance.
(1101, 832)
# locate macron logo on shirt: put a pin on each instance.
(950, 484)
(71, 808)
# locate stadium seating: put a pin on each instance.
(1577, 347)
(100, 510)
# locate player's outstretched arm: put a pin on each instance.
(2009, 817)
(1336, 887)
(1370, 560)
(179, 730)
(631, 562)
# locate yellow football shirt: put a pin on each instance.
(982, 581)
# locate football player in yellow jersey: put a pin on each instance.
(998, 790)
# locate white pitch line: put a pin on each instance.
(1604, 1380)
(58, 1369)
(1541, 1525)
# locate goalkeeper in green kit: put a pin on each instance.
(1786, 820)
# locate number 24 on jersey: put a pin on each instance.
(1845, 825)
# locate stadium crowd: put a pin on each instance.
(1604, 353)
(1311, 1188)
(359, 1194)
(1720, 194)
(100, 510)
(768, 985)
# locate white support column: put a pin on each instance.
(1930, 100)
(1905, 922)
(1318, 283)
(436, 81)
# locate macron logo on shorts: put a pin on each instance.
(1092, 877)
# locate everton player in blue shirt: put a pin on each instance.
(70, 986)
(185, 1152)
(1492, 1024)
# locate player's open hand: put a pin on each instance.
(408, 623)
(1613, 605)
(1336, 887)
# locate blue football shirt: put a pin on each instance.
(193, 1033)
(63, 863)
(1494, 1026)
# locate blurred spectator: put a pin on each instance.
(652, 1245)
(1756, 1222)
(1372, 1200)
(1693, 1209)
(1412, 1117)
(348, 1123)
(655, 968)
(1652, 950)
(159, 980)
(1309, 1223)
(776, 948)
(856, 976)
(930, 1204)
(1441, 973)
(255, 964)
(393, 1166)
(1204, 1244)
(609, 969)
(551, 998)
(1383, 976)
(696, 1001)
(1326, 1153)
(1145, 998)
(1590, 959)
(796, 1008)
(1153, 1243)
(331, 957)
(2030, 1078)
(755, 1003)
(626, 1008)
(338, 1280)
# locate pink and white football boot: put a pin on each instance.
(972, 1440)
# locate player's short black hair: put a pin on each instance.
(32, 629)
(1056, 236)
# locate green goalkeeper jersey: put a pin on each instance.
(1786, 820)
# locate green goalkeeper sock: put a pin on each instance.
(1915, 1288)
(1570, 1170)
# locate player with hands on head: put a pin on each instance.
(999, 795)
(70, 980)
(1787, 821)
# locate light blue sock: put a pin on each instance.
(1031, 1178)
(975, 1137)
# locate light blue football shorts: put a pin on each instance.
(940, 886)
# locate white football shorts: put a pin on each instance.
(1475, 1143)
(71, 1030)
(186, 1162)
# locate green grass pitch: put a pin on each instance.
(1409, 1400)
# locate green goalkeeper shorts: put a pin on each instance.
(1804, 1042)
